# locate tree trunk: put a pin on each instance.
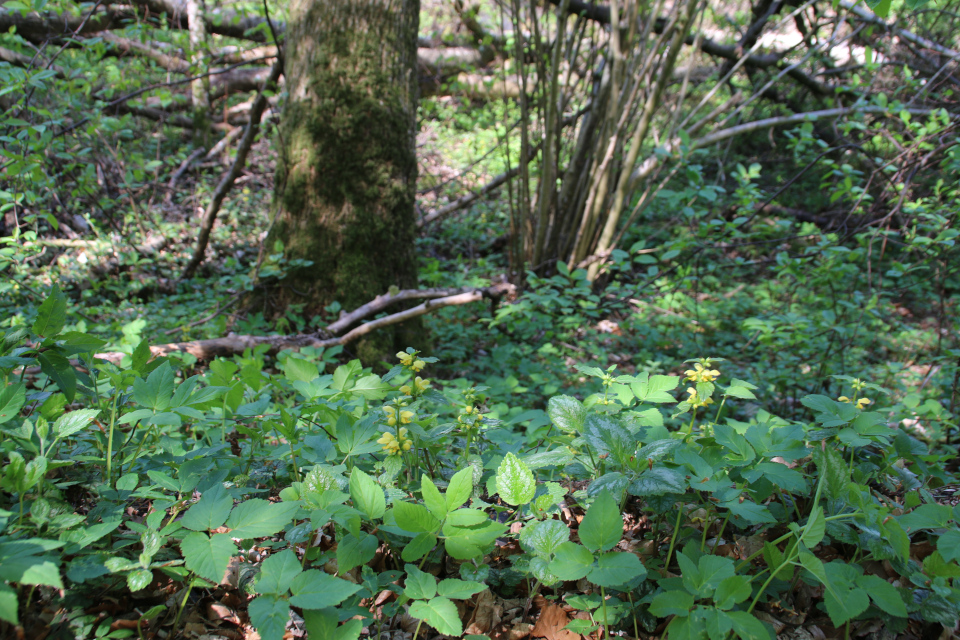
(346, 179)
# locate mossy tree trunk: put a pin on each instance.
(346, 179)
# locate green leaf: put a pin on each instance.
(277, 573)
(257, 518)
(299, 369)
(545, 537)
(515, 482)
(659, 481)
(657, 450)
(671, 603)
(460, 489)
(608, 437)
(750, 511)
(414, 518)
(139, 579)
(52, 314)
(8, 604)
(467, 517)
(649, 388)
(314, 589)
(353, 551)
(420, 546)
(949, 545)
(815, 529)
(269, 614)
(70, 423)
(323, 624)
(927, 516)
(884, 595)
(440, 613)
(747, 627)
(459, 589)
(12, 398)
(211, 512)
(419, 585)
(571, 561)
(732, 590)
(834, 473)
(567, 413)
(602, 526)
(207, 557)
(615, 569)
(367, 495)
(371, 387)
(432, 498)
(61, 371)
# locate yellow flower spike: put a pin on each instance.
(418, 365)
(421, 384)
(406, 390)
(699, 373)
(406, 417)
(403, 432)
(863, 402)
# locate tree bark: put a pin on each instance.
(346, 179)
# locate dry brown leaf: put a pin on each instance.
(218, 613)
(519, 631)
(551, 623)
(486, 616)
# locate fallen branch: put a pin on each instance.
(470, 198)
(231, 345)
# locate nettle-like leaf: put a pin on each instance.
(314, 589)
(257, 518)
(51, 314)
(12, 398)
(834, 473)
(207, 557)
(544, 537)
(368, 496)
(607, 436)
(269, 614)
(658, 449)
(210, 512)
(567, 413)
(515, 482)
(615, 569)
(659, 481)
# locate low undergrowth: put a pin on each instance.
(291, 491)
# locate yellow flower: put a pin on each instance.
(419, 386)
(391, 416)
(695, 401)
(844, 399)
(699, 373)
(418, 366)
(406, 359)
(393, 445)
(863, 402)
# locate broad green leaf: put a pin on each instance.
(207, 557)
(748, 627)
(750, 511)
(367, 495)
(419, 585)
(353, 551)
(544, 537)
(61, 371)
(515, 482)
(460, 489)
(371, 387)
(659, 481)
(927, 516)
(257, 518)
(949, 545)
(31, 569)
(467, 517)
(420, 546)
(299, 369)
(269, 614)
(211, 512)
(567, 413)
(314, 589)
(414, 517)
(657, 450)
(602, 526)
(717, 623)
(139, 579)
(157, 390)
(433, 500)
(615, 569)
(732, 590)
(323, 624)
(571, 561)
(440, 613)
(8, 604)
(607, 436)
(51, 314)
(459, 589)
(834, 473)
(815, 529)
(12, 398)
(613, 482)
(649, 388)
(277, 572)
(884, 595)
(671, 603)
